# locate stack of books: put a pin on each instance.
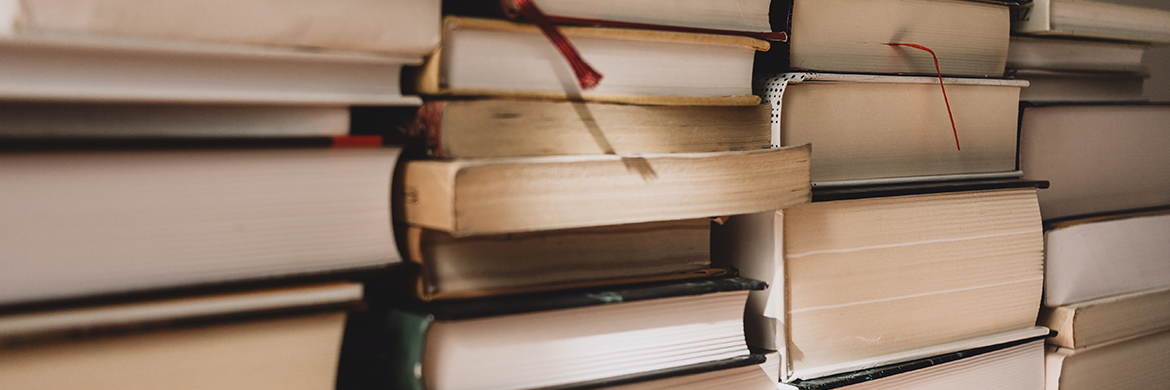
(1107, 214)
(919, 262)
(184, 197)
(559, 224)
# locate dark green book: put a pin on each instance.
(568, 339)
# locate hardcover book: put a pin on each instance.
(283, 337)
(858, 277)
(168, 214)
(462, 267)
(1099, 257)
(869, 129)
(572, 339)
(1092, 19)
(1134, 363)
(1103, 320)
(1129, 168)
(496, 58)
(970, 38)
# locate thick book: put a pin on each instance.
(286, 337)
(572, 339)
(1135, 363)
(1092, 19)
(869, 129)
(158, 215)
(744, 16)
(1098, 257)
(408, 27)
(1098, 321)
(497, 58)
(1016, 364)
(462, 267)
(479, 128)
(1129, 168)
(852, 36)
(468, 197)
(866, 280)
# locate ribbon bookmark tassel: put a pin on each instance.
(940, 85)
(587, 77)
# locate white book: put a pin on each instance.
(1100, 257)
(88, 223)
(302, 52)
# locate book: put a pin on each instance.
(572, 339)
(451, 267)
(1077, 70)
(1017, 364)
(858, 281)
(467, 197)
(746, 16)
(409, 27)
(481, 128)
(497, 58)
(1092, 19)
(287, 337)
(873, 129)
(1062, 54)
(1098, 257)
(1046, 86)
(60, 68)
(1099, 321)
(1134, 363)
(1129, 169)
(107, 220)
(851, 36)
(40, 120)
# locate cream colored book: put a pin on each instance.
(508, 195)
(462, 267)
(1092, 19)
(868, 129)
(496, 58)
(1135, 363)
(861, 282)
(279, 338)
(1099, 321)
(478, 128)
(851, 36)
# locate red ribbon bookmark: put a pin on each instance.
(587, 77)
(940, 85)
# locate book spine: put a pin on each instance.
(407, 333)
(429, 124)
